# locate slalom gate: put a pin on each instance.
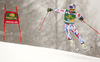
(11, 17)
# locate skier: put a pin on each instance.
(69, 17)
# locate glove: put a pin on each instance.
(81, 18)
(49, 10)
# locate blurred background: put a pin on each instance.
(52, 35)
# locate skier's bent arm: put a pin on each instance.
(59, 10)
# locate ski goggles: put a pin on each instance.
(72, 9)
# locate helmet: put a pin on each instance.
(72, 6)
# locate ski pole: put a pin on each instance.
(91, 27)
(43, 22)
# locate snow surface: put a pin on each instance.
(10, 52)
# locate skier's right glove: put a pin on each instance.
(81, 18)
(49, 10)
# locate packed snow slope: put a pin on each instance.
(10, 52)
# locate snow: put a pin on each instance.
(10, 52)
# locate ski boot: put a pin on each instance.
(85, 47)
(72, 44)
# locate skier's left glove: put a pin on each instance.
(49, 10)
(81, 18)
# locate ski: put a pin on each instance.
(75, 48)
(85, 47)
(85, 50)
